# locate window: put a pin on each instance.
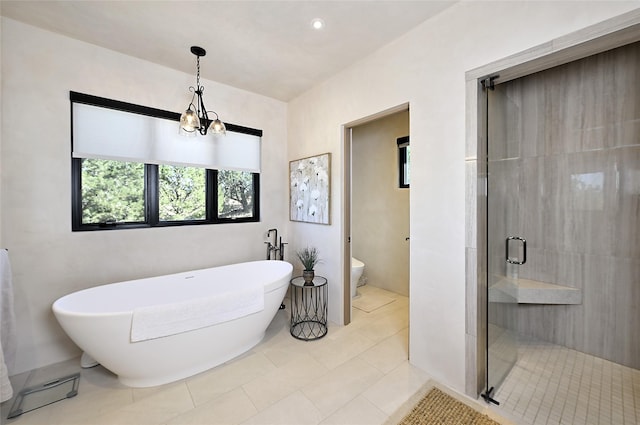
(112, 191)
(404, 161)
(236, 193)
(182, 193)
(121, 189)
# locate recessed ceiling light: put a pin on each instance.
(317, 24)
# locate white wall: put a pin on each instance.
(427, 68)
(49, 260)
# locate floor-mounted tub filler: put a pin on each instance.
(158, 330)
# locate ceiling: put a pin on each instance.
(266, 47)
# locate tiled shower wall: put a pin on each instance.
(568, 153)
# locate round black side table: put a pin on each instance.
(309, 308)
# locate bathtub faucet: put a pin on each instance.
(277, 247)
(281, 249)
(272, 247)
(278, 250)
(275, 236)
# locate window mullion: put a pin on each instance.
(76, 193)
(152, 194)
(212, 196)
(256, 196)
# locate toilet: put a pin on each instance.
(357, 268)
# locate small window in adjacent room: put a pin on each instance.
(404, 161)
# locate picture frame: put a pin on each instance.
(310, 189)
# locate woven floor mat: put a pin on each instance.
(437, 407)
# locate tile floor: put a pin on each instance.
(551, 384)
(357, 374)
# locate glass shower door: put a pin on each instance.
(506, 249)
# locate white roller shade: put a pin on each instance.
(105, 133)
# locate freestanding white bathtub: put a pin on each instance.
(100, 320)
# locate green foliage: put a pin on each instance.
(235, 193)
(112, 191)
(182, 193)
(309, 257)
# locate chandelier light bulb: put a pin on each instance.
(189, 121)
(218, 127)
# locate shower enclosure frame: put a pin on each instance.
(606, 35)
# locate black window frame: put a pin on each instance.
(151, 192)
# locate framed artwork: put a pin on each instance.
(309, 189)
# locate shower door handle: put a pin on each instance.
(524, 250)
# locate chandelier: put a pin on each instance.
(196, 117)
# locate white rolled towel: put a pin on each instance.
(7, 327)
(6, 390)
(231, 302)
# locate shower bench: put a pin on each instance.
(527, 291)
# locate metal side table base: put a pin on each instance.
(309, 308)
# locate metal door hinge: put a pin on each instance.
(488, 83)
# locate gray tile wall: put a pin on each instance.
(572, 187)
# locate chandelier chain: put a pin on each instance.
(198, 72)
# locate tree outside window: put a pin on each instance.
(182, 192)
(112, 191)
(116, 194)
(235, 194)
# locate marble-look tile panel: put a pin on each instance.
(531, 205)
(471, 202)
(504, 122)
(562, 268)
(532, 116)
(626, 300)
(503, 211)
(625, 242)
(564, 96)
(471, 292)
(474, 369)
(574, 195)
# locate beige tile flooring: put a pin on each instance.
(357, 374)
(555, 385)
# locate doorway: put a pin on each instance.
(377, 208)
